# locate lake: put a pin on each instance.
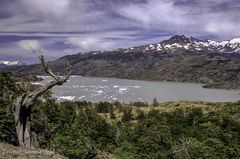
(111, 89)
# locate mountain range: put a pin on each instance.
(183, 44)
(5, 63)
(179, 59)
(10, 63)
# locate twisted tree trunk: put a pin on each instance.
(24, 103)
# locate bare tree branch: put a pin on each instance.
(47, 68)
(22, 109)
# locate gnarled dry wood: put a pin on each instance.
(22, 106)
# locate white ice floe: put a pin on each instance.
(122, 90)
(102, 87)
(36, 83)
(44, 77)
(75, 76)
(134, 86)
(67, 97)
(97, 93)
(81, 97)
(75, 86)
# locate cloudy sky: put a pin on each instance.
(61, 27)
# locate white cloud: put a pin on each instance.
(56, 8)
(29, 45)
(191, 17)
(157, 14)
(95, 25)
(202, 18)
(59, 16)
(90, 43)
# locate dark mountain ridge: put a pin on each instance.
(178, 59)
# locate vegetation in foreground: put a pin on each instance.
(133, 131)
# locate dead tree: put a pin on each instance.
(24, 103)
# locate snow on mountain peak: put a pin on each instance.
(235, 40)
(192, 44)
(183, 44)
(10, 63)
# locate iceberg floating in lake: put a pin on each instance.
(67, 97)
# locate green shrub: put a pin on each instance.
(127, 115)
(104, 107)
(9, 91)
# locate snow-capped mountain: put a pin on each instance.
(178, 59)
(10, 63)
(183, 44)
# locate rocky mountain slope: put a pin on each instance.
(178, 59)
